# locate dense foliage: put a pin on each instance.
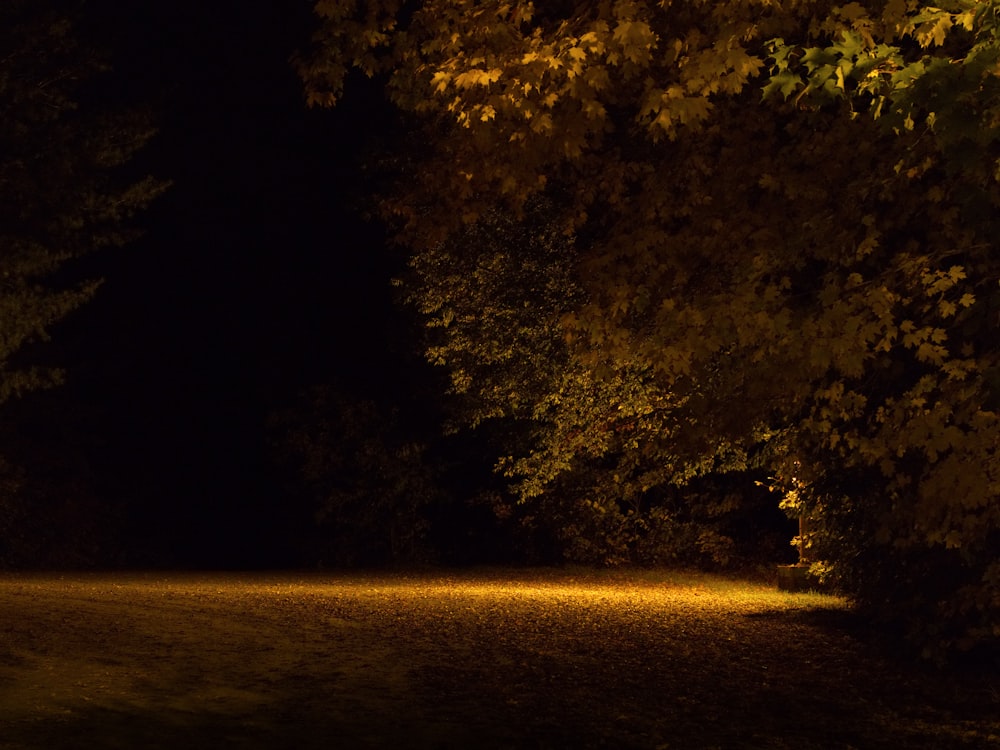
(58, 191)
(63, 195)
(780, 253)
(361, 482)
(568, 438)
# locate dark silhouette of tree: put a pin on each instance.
(61, 191)
(360, 484)
(64, 194)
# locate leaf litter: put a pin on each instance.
(486, 659)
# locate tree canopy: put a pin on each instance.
(779, 225)
(62, 194)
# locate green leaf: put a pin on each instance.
(784, 83)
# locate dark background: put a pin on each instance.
(257, 281)
(256, 277)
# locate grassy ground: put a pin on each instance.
(501, 659)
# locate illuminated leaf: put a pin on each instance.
(935, 29)
(636, 40)
(780, 241)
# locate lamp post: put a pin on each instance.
(796, 577)
(804, 557)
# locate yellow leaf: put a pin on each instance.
(477, 77)
(440, 81)
(934, 31)
(928, 352)
(636, 40)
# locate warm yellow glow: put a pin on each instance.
(430, 660)
(664, 591)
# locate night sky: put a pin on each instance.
(256, 277)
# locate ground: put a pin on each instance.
(491, 659)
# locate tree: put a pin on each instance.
(363, 483)
(64, 194)
(911, 66)
(61, 191)
(493, 299)
(929, 508)
(767, 277)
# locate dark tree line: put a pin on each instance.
(65, 194)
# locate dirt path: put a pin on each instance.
(495, 660)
